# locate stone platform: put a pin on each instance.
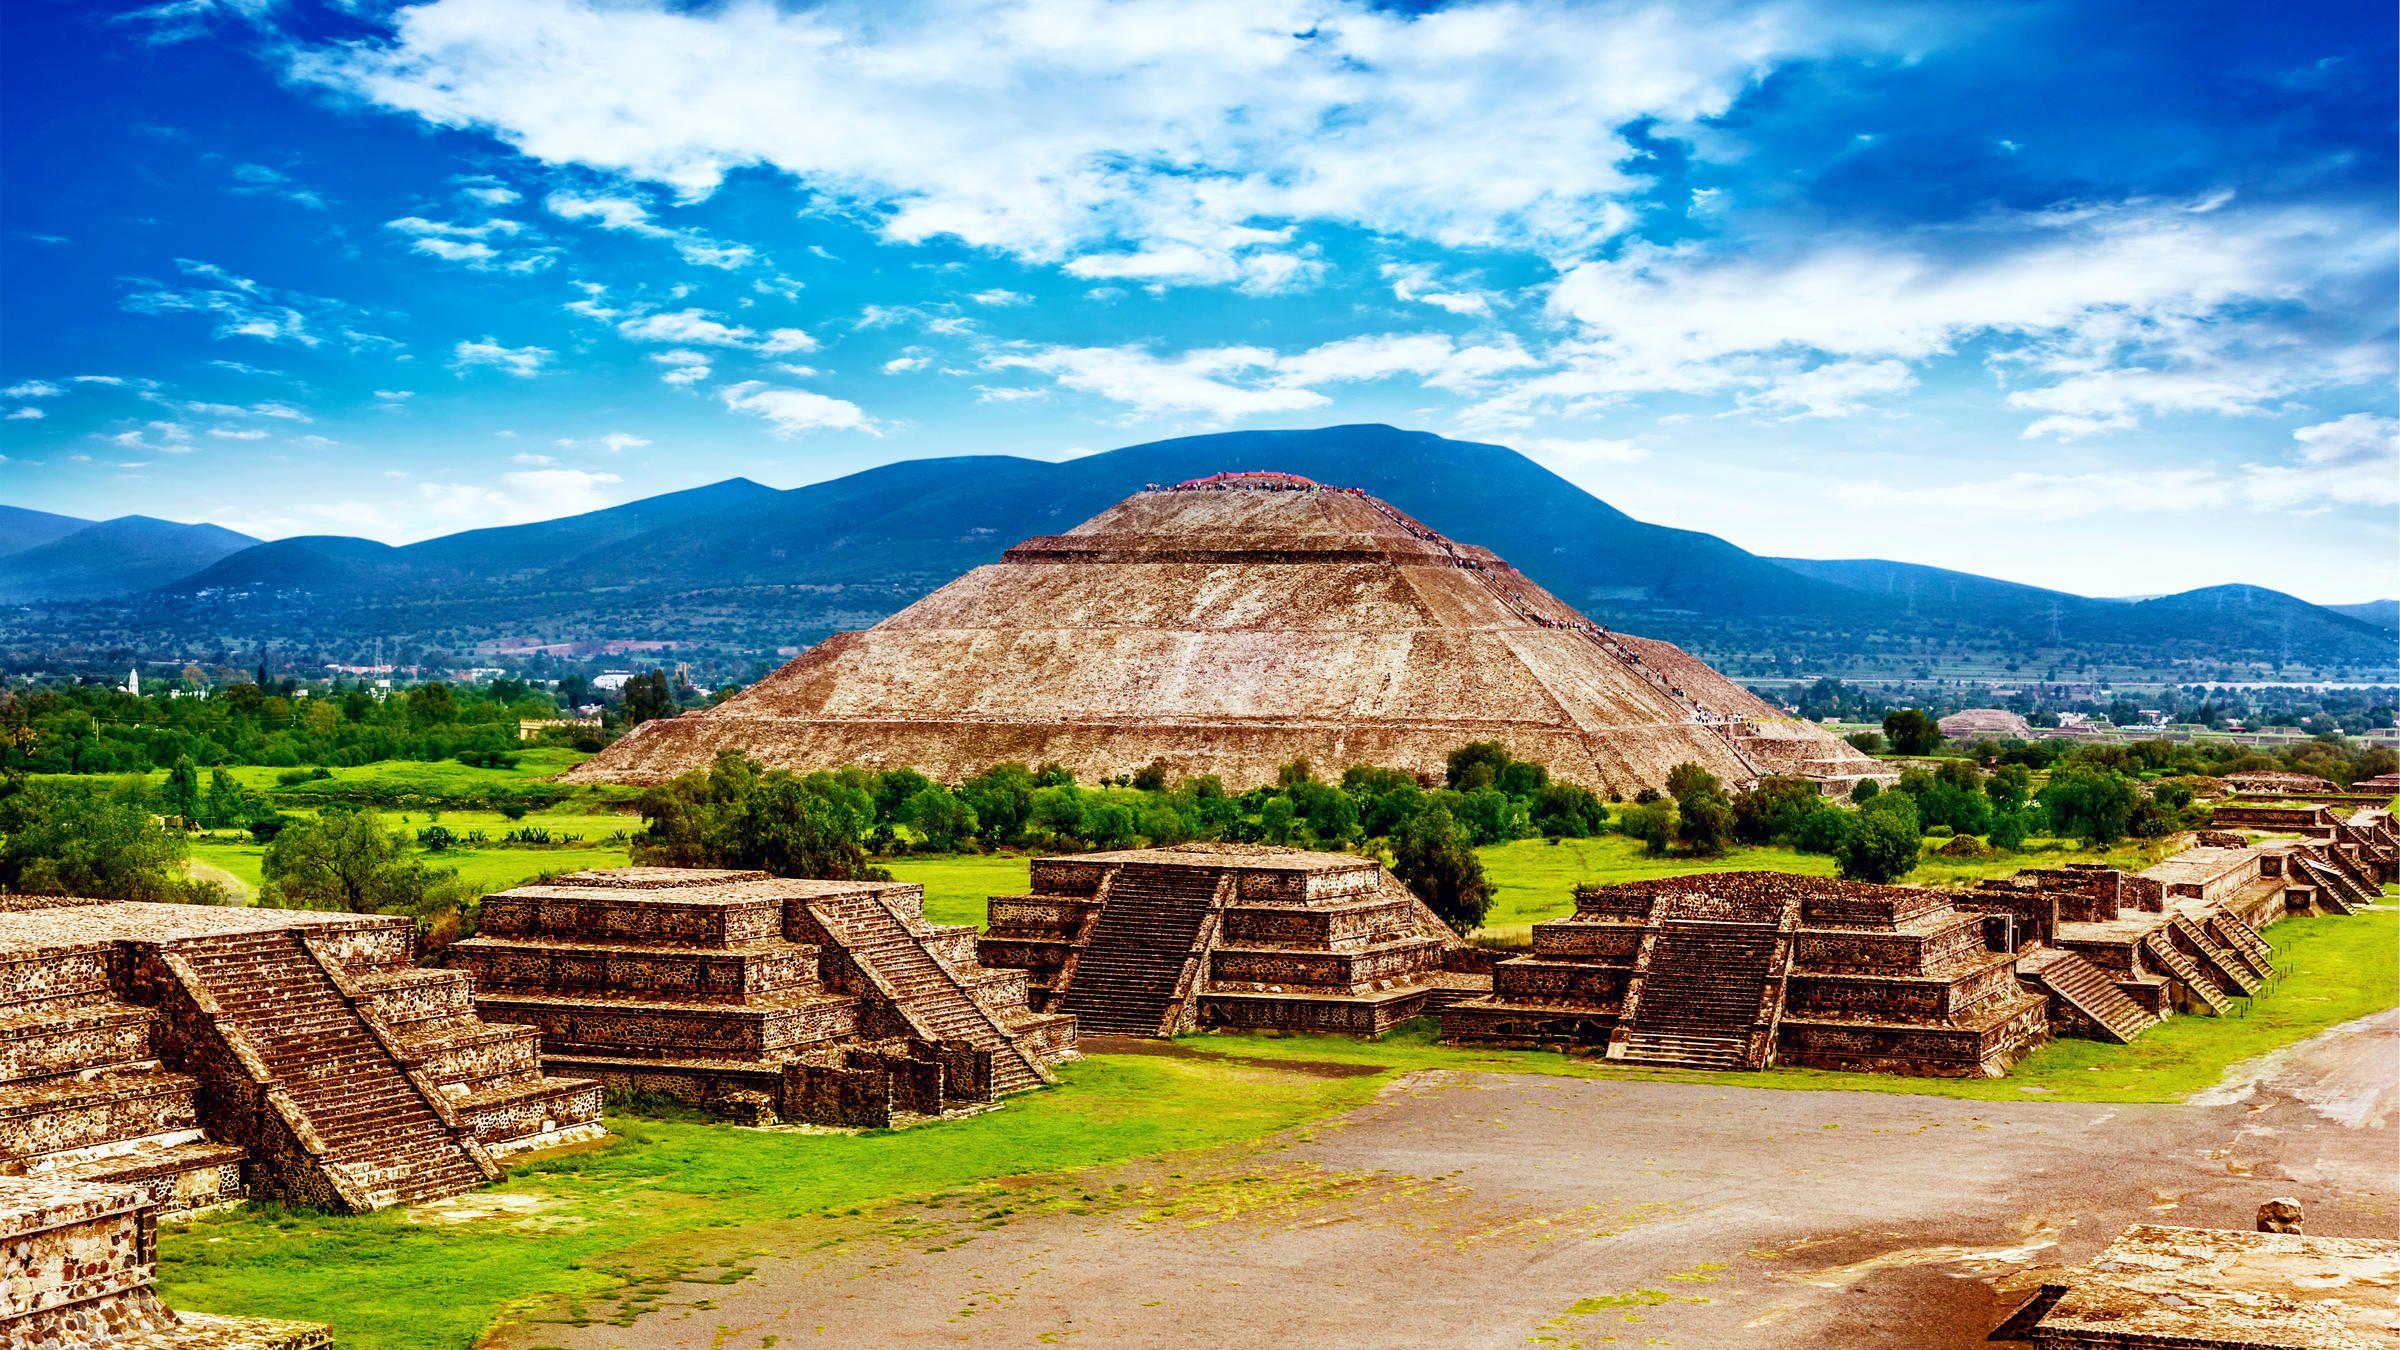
(1154, 942)
(76, 1263)
(1747, 969)
(759, 998)
(2219, 1289)
(197, 1054)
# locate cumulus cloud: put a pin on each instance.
(630, 216)
(1224, 383)
(25, 414)
(519, 495)
(685, 367)
(2102, 313)
(1157, 140)
(473, 244)
(33, 389)
(521, 362)
(792, 412)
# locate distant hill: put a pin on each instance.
(739, 567)
(114, 558)
(2381, 613)
(22, 528)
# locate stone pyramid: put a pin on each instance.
(1228, 625)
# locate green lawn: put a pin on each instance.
(958, 887)
(601, 1233)
(490, 867)
(645, 1208)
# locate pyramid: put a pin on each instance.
(1226, 626)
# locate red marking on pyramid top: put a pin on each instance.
(1252, 479)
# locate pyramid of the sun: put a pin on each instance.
(1228, 626)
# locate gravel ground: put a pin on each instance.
(1490, 1210)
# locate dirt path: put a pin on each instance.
(238, 888)
(1492, 1210)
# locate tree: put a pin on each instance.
(734, 816)
(181, 795)
(647, 698)
(72, 839)
(1001, 797)
(2094, 805)
(893, 788)
(1881, 847)
(1476, 764)
(1912, 731)
(1434, 858)
(1703, 817)
(2010, 786)
(226, 806)
(347, 859)
(1652, 822)
(945, 823)
(1568, 810)
(1771, 810)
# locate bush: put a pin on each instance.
(1434, 858)
(1881, 847)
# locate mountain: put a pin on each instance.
(2275, 626)
(2381, 613)
(740, 569)
(113, 558)
(21, 528)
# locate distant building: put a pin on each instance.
(2276, 783)
(133, 680)
(611, 681)
(1976, 724)
(531, 728)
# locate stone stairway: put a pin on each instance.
(1699, 995)
(2336, 889)
(1128, 977)
(382, 1133)
(927, 993)
(2187, 972)
(2243, 942)
(2228, 970)
(2076, 982)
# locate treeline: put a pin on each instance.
(87, 730)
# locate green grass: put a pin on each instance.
(488, 868)
(646, 1207)
(2337, 969)
(959, 887)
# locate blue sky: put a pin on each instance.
(2089, 295)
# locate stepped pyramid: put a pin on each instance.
(1229, 625)
(1159, 941)
(191, 1054)
(762, 999)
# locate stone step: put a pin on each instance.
(2072, 979)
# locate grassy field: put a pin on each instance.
(489, 867)
(959, 887)
(666, 1196)
(599, 1234)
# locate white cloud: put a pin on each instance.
(520, 495)
(33, 389)
(239, 306)
(901, 365)
(794, 411)
(238, 433)
(687, 326)
(2103, 313)
(521, 362)
(610, 212)
(684, 366)
(1161, 141)
(2351, 461)
(25, 414)
(617, 442)
(472, 244)
(1569, 452)
(785, 341)
(1231, 382)
(999, 298)
(257, 180)
(1419, 283)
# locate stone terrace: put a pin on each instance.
(1748, 969)
(759, 998)
(196, 1054)
(2220, 1289)
(76, 1262)
(1152, 942)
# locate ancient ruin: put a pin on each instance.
(196, 1055)
(2277, 783)
(1742, 970)
(2219, 1289)
(1154, 942)
(76, 1263)
(1228, 626)
(759, 998)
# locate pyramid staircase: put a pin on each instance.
(385, 1138)
(2187, 972)
(2241, 941)
(1136, 974)
(2232, 972)
(2337, 890)
(2071, 979)
(1697, 993)
(926, 993)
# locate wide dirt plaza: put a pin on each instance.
(1507, 1209)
